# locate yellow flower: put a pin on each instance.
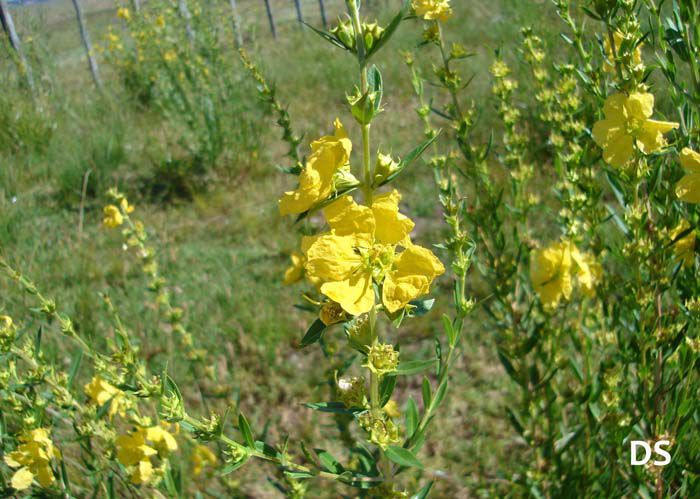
(627, 124)
(361, 250)
(684, 248)
(101, 392)
(433, 10)
(170, 56)
(134, 453)
(329, 155)
(32, 458)
(688, 188)
(550, 272)
(123, 13)
(161, 439)
(112, 217)
(202, 457)
(160, 22)
(609, 63)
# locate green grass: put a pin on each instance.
(224, 249)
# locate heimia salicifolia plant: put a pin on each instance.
(125, 430)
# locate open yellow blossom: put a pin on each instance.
(433, 10)
(329, 155)
(134, 453)
(550, 272)
(688, 188)
(684, 248)
(32, 459)
(627, 124)
(360, 251)
(170, 56)
(112, 217)
(609, 64)
(202, 457)
(101, 392)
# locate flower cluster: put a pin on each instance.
(32, 459)
(555, 269)
(137, 449)
(433, 10)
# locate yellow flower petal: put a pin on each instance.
(619, 150)
(614, 106)
(142, 473)
(688, 188)
(355, 294)
(640, 105)
(650, 138)
(332, 258)
(44, 475)
(22, 479)
(392, 226)
(295, 272)
(690, 160)
(161, 439)
(345, 217)
(683, 248)
(329, 154)
(414, 270)
(550, 273)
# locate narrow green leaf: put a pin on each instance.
(389, 30)
(329, 462)
(427, 392)
(75, 366)
(403, 457)
(410, 367)
(332, 407)
(411, 417)
(313, 334)
(244, 427)
(410, 158)
(326, 36)
(230, 468)
(423, 492)
(386, 388)
(440, 394)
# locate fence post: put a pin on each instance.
(236, 25)
(84, 35)
(300, 17)
(323, 14)
(185, 13)
(9, 27)
(270, 18)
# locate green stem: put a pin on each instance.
(354, 12)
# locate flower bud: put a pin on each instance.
(331, 313)
(385, 167)
(382, 359)
(365, 107)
